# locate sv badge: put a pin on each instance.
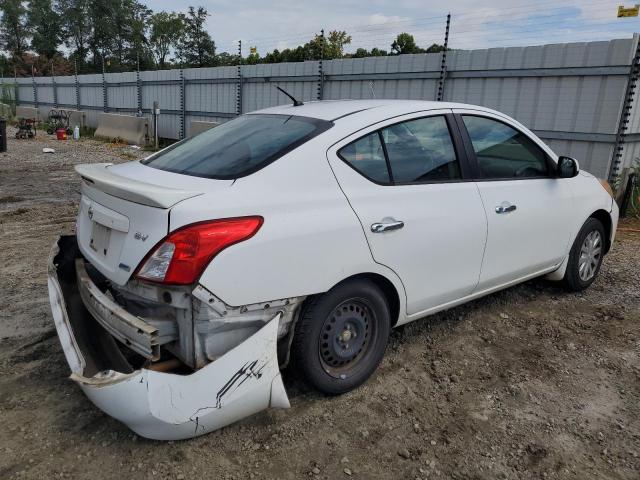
(140, 236)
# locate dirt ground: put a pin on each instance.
(531, 382)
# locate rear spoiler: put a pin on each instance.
(99, 176)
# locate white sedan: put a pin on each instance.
(302, 234)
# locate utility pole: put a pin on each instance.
(443, 64)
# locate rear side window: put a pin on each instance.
(239, 147)
(367, 157)
(504, 152)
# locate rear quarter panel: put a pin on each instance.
(310, 239)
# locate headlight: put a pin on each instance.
(607, 187)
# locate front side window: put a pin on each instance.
(366, 156)
(421, 150)
(504, 152)
(239, 147)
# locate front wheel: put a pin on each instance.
(341, 336)
(586, 256)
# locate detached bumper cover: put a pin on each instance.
(156, 405)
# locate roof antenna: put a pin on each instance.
(296, 102)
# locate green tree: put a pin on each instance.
(363, 52)
(226, 59)
(76, 27)
(44, 23)
(167, 29)
(336, 42)
(133, 34)
(333, 46)
(435, 48)
(253, 58)
(196, 49)
(13, 29)
(102, 38)
(405, 43)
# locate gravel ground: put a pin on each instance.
(531, 382)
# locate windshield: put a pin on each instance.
(239, 147)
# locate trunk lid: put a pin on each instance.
(124, 212)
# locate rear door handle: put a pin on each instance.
(505, 208)
(387, 227)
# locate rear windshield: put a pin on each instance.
(239, 147)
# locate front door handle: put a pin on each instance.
(505, 208)
(386, 227)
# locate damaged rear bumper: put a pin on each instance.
(158, 405)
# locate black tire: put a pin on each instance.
(341, 336)
(574, 280)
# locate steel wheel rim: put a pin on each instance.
(590, 256)
(346, 337)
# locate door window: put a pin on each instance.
(421, 150)
(366, 156)
(503, 151)
(415, 151)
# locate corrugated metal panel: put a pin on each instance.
(66, 90)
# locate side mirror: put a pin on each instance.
(567, 167)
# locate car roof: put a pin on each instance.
(336, 109)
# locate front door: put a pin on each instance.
(405, 181)
(528, 208)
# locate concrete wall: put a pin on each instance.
(133, 130)
(197, 127)
(27, 112)
(570, 94)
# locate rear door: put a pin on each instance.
(528, 209)
(406, 181)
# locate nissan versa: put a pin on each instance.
(302, 234)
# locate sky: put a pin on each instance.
(375, 23)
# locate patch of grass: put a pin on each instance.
(87, 131)
(634, 200)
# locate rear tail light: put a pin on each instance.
(181, 257)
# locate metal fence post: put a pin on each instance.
(55, 87)
(77, 85)
(239, 84)
(16, 91)
(625, 114)
(443, 64)
(35, 87)
(155, 115)
(105, 93)
(182, 105)
(139, 90)
(320, 94)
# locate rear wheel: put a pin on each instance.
(341, 336)
(586, 256)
